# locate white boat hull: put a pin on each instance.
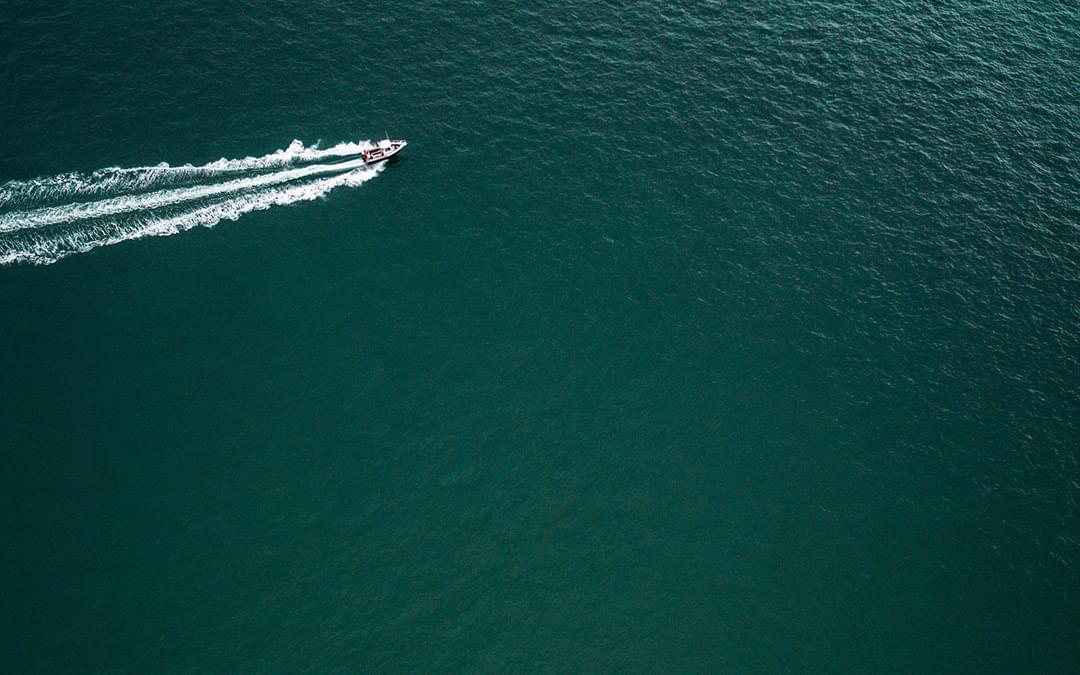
(383, 151)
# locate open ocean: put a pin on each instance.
(684, 337)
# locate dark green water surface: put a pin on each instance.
(685, 337)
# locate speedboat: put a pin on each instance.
(383, 150)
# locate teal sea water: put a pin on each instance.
(684, 337)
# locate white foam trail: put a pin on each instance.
(45, 246)
(53, 215)
(115, 180)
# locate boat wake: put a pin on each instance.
(46, 219)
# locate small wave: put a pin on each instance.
(122, 204)
(47, 246)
